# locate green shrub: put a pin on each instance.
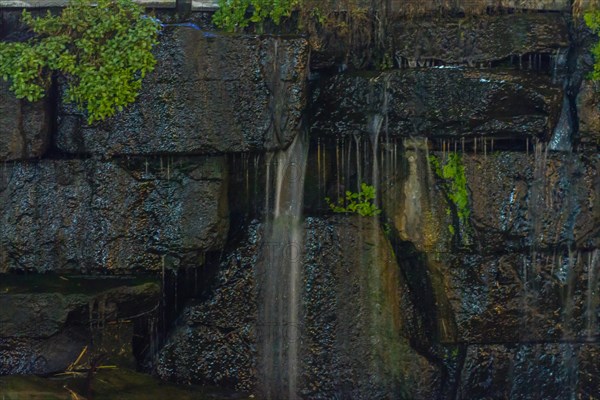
(103, 48)
(592, 20)
(452, 171)
(233, 15)
(360, 203)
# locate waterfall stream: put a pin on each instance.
(279, 281)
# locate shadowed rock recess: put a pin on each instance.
(150, 237)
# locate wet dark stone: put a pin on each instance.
(544, 200)
(480, 40)
(354, 317)
(438, 102)
(207, 96)
(46, 321)
(119, 217)
(522, 297)
(588, 111)
(24, 126)
(351, 327)
(214, 342)
(530, 371)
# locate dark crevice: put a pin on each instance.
(422, 331)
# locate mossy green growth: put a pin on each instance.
(102, 47)
(592, 20)
(360, 203)
(452, 171)
(234, 15)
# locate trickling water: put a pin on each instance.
(592, 294)
(561, 138)
(280, 276)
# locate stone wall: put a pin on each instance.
(481, 308)
(168, 199)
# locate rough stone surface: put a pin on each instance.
(412, 7)
(214, 342)
(414, 202)
(24, 126)
(121, 216)
(208, 95)
(46, 323)
(343, 312)
(530, 371)
(353, 324)
(63, 3)
(438, 102)
(588, 111)
(503, 306)
(541, 200)
(475, 41)
(513, 298)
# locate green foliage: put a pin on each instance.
(102, 47)
(592, 20)
(386, 62)
(360, 203)
(233, 15)
(455, 184)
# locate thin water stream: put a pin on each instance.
(279, 323)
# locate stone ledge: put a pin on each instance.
(199, 5)
(59, 215)
(439, 103)
(63, 3)
(24, 126)
(208, 95)
(424, 6)
(46, 320)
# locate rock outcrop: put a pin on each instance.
(120, 216)
(208, 95)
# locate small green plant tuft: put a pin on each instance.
(102, 47)
(360, 203)
(455, 184)
(592, 20)
(234, 15)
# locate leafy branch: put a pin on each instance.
(103, 48)
(592, 20)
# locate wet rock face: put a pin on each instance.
(438, 102)
(214, 342)
(354, 304)
(530, 371)
(542, 200)
(588, 110)
(351, 325)
(121, 216)
(476, 41)
(24, 126)
(46, 323)
(207, 95)
(411, 7)
(515, 298)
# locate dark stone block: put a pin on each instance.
(207, 95)
(438, 103)
(120, 216)
(480, 40)
(24, 126)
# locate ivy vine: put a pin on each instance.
(452, 171)
(592, 20)
(102, 47)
